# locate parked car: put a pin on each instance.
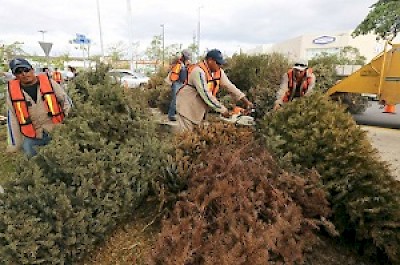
(129, 79)
(3, 119)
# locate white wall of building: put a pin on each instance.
(310, 45)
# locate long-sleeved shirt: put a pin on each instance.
(38, 114)
(194, 99)
(285, 88)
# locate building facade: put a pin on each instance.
(311, 45)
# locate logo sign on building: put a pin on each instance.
(324, 40)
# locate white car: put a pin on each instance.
(3, 119)
(129, 79)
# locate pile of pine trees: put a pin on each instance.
(239, 206)
(96, 171)
(236, 195)
(317, 133)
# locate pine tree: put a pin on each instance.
(316, 133)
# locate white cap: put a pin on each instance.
(300, 64)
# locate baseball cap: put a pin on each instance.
(300, 64)
(187, 54)
(19, 63)
(216, 55)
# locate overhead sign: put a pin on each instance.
(46, 47)
(81, 39)
(324, 40)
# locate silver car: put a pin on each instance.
(128, 78)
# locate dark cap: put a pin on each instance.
(216, 55)
(19, 63)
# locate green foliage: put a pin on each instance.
(248, 71)
(240, 208)
(324, 68)
(152, 96)
(157, 79)
(97, 169)
(258, 76)
(382, 19)
(316, 133)
(159, 93)
(116, 52)
(3, 88)
(154, 51)
(9, 51)
(164, 99)
(264, 99)
(351, 56)
(8, 161)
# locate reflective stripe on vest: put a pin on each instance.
(292, 85)
(213, 80)
(21, 107)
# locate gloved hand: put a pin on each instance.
(225, 114)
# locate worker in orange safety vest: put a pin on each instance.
(178, 75)
(299, 81)
(35, 105)
(56, 75)
(199, 94)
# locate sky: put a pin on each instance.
(226, 25)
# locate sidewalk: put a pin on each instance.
(387, 142)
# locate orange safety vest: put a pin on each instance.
(21, 107)
(292, 84)
(57, 76)
(213, 79)
(175, 70)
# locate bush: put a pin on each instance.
(164, 99)
(248, 71)
(152, 96)
(189, 147)
(316, 133)
(259, 76)
(263, 98)
(97, 169)
(3, 99)
(157, 79)
(241, 208)
(324, 68)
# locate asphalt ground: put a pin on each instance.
(387, 142)
(374, 116)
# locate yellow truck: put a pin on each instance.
(380, 77)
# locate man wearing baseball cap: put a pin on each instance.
(199, 94)
(299, 81)
(35, 105)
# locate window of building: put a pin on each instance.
(312, 52)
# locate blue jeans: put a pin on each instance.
(172, 106)
(29, 144)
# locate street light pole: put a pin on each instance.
(101, 35)
(163, 45)
(198, 31)
(130, 23)
(43, 32)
